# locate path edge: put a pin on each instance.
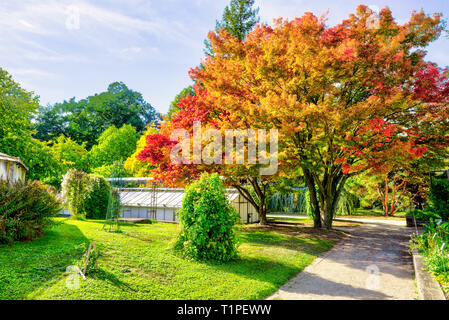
(428, 287)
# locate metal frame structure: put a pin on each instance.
(114, 213)
(153, 202)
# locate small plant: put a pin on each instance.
(26, 208)
(433, 244)
(207, 221)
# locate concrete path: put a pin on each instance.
(372, 263)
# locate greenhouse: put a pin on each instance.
(161, 204)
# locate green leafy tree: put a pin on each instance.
(38, 158)
(207, 221)
(69, 154)
(17, 108)
(55, 157)
(113, 145)
(239, 18)
(51, 122)
(86, 119)
(110, 171)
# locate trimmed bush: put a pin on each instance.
(25, 210)
(96, 203)
(207, 221)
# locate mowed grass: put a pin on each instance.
(139, 263)
(358, 213)
(307, 222)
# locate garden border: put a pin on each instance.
(428, 288)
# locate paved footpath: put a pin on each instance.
(372, 263)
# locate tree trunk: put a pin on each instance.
(324, 201)
(390, 206)
(314, 205)
(262, 215)
(326, 213)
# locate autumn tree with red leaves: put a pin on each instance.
(346, 99)
(245, 178)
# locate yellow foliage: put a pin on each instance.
(135, 167)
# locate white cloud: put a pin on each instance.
(37, 73)
(96, 24)
(26, 24)
(29, 17)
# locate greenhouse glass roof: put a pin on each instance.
(165, 197)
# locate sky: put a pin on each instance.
(63, 49)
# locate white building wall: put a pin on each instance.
(247, 212)
(16, 171)
(162, 214)
(3, 169)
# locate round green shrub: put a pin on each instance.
(207, 221)
(96, 203)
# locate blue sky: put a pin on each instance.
(149, 45)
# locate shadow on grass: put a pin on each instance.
(121, 223)
(272, 272)
(306, 245)
(101, 274)
(27, 266)
(139, 236)
(291, 236)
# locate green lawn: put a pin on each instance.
(139, 263)
(377, 212)
(307, 222)
(359, 212)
